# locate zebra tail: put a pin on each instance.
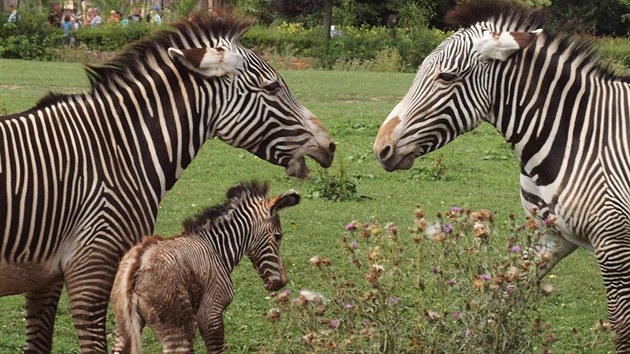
(129, 336)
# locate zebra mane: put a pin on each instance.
(510, 16)
(236, 198)
(198, 28)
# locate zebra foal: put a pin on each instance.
(564, 114)
(81, 176)
(179, 284)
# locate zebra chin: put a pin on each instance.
(297, 165)
(275, 283)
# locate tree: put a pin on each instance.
(597, 17)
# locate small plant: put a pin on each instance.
(336, 187)
(435, 172)
(440, 287)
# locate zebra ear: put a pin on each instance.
(286, 200)
(208, 62)
(499, 46)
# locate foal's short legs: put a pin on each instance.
(173, 321)
(211, 328)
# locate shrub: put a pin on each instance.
(336, 187)
(28, 39)
(113, 37)
(442, 286)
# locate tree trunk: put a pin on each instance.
(327, 19)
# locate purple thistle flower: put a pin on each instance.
(456, 209)
(354, 244)
(366, 321)
(394, 300)
(348, 306)
(548, 222)
(486, 277)
(509, 289)
(448, 228)
(352, 226)
(435, 270)
(333, 324)
(516, 248)
(451, 282)
(456, 315)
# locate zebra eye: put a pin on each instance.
(272, 87)
(447, 77)
(278, 236)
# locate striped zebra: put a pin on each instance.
(565, 115)
(81, 175)
(179, 284)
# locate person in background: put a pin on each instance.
(114, 17)
(67, 28)
(87, 20)
(135, 15)
(13, 16)
(157, 19)
(55, 16)
(96, 20)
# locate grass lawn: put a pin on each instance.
(480, 173)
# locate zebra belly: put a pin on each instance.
(23, 277)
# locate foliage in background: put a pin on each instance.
(111, 38)
(28, 39)
(441, 286)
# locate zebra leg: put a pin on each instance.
(551, 249)
(169, 315)
(178, 338)
(211, 329)
(614, 262)
(89, 286)
(41, 308)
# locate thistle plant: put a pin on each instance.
(453, 284)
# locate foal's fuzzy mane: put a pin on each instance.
(236, 198)
(511, 16)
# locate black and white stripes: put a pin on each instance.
(81, 175)
(564, 113)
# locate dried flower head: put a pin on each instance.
(274, 314)
(479, 229)
(315, 261)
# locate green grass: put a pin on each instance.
(480, 173)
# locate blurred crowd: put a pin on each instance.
(71, 20)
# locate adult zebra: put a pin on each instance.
(81, 175)
(565, 115)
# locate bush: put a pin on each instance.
(113, 37)
(28, 39)
(442, 286)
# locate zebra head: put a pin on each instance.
(252, 107)
(453, 91)
(266, 236)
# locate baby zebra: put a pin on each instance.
(179, 284)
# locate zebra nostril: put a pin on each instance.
(385, 153)
(332, 148)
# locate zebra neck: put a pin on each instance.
(159, 128)
(229, 244)
(545, 108)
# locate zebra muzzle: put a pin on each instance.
(297, 168)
